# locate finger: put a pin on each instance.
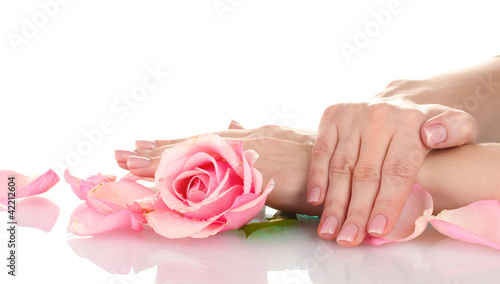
(145, 144)
(339, 184)
(235, 125)
(143, 167)
(122, 155)
(449, 129)
(365, 187)
(321, 155)
(404, 158)
(122, 165)
(148, 145)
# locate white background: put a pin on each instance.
(258, 62)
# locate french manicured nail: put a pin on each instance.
(145, 144)
(435, 134)
(137, 162)
(314, 195)
(348, 233)
(329, 225)
(122, 155)
(377, 226)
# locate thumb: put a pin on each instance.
(449, 129)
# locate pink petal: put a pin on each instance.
(213, 144)
(210, 230)
(413, 219)
(81, 187)
(245, 208)
(218, 206)
(26, 185)
(478, 222)
(114, 196)
(145, 205)
(171, 224)
(86, 221)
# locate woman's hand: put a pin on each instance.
(367, 156)
(284, 155)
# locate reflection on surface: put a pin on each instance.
(35, 212)
(289, 255)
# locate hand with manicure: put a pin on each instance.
(367, 156)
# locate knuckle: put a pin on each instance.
(398, 170)
(366, 174)
(342, 167)
(322, 149)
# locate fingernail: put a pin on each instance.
(145, 144)
(348, 233)
(377, 226)
(435, 134)
(329, 225)
(137, 162)
(314, 195)
(122, 155)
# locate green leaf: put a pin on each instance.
(279, 219)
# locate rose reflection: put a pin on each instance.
(296, 252)
(35, 212)
(223, 258)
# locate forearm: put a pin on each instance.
(475, 89)
(459, 176)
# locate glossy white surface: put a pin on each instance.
(293, 254)
(264, 62)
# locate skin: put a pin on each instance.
(367, 155)
(284, 155)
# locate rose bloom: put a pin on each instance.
(206, 185)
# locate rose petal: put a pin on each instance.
(219, 206)
(478, 222)
(81, 187)
(26, 185)
(210, 230)
(413, 220)
(171, 224)
(113, 196)
(86, 221)
(212, 144)
(245, 208)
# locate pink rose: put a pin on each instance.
(206, 185)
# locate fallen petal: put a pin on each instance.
(26, 185)
(413, 219)
(478, 222)
(87, 221)
(81, 187)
